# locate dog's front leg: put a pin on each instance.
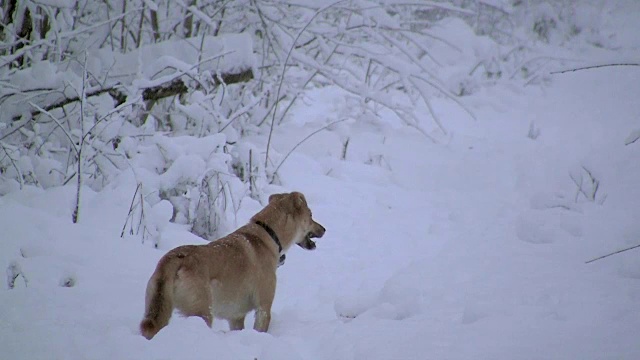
(263, 318)
(236, 324)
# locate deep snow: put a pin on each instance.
(474, 249)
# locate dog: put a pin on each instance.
(234, 275)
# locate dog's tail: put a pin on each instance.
(159, 296)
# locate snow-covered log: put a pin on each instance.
(154, 71)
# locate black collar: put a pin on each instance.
(273, 235)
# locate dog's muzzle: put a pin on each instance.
(309, 244)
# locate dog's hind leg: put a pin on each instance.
(194, 298)
(236, 324)
(264, 301)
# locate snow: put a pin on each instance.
(470, 249)
(223, 54)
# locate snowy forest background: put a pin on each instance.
(458, 124)
(90, 88)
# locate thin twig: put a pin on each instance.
(252, 185)
(595, 184)
(15, 166)
(613, 253)
(633, 137)
(580, 190)
(13, 271)
(344, 148)
(593, 67)
(83, 102)
(303, 140)
(130, 215)
(66, 133)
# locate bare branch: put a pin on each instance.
(55, 120)
(613, 253)
(593, 67)
(15, 166)
(284, 69)
(303, 140)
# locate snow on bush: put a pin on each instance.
(204, 179)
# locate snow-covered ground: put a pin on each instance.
(472, 249)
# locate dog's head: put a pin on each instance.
(296, 205)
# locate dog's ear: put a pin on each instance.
(298, 201)
(276, 197)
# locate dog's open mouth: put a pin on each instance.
(307, 243)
